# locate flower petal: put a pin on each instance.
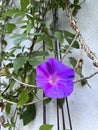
(59, 68)
(66, 86)
(44, 69)
(61, 77)
(59, 91)
(66, 75)
(50, 91)
(41, 81)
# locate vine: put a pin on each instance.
(33, 40)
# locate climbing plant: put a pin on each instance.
(31, 29)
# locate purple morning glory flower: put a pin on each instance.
(55, 78)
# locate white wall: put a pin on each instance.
(84, 101)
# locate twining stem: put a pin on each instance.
(38, 29)
(88, 77)
(25, 84)
(69, 48)
(26, 104)
(75, 81)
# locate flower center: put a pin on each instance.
(52, 79)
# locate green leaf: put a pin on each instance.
(52, 26)
(4, 72)
(46, 127)
(8, 108)
(19, 62)
(29, 114)
(79, 72)
(18, 38)
(59, 36)
(69, 37)
(83, 82)
(68, 34)
(3, 42)
(48, 41)
(1, 97)
(24, 4)
(10, 128)
(64, 49)
(11, 85)
(9, 27)
(10, 54)
(7, 125)
(75, 44)
(61, 102)
(46, 101)
(76, 1)
(39, 53)
(36, 5)
(73, 61)
(19, 13)
(12, 120)
(31, 77)
(2, 55)
(10, 12)
(39, 39)
(75, 10)
(23, 98)
(35, 61)
(29, 27)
